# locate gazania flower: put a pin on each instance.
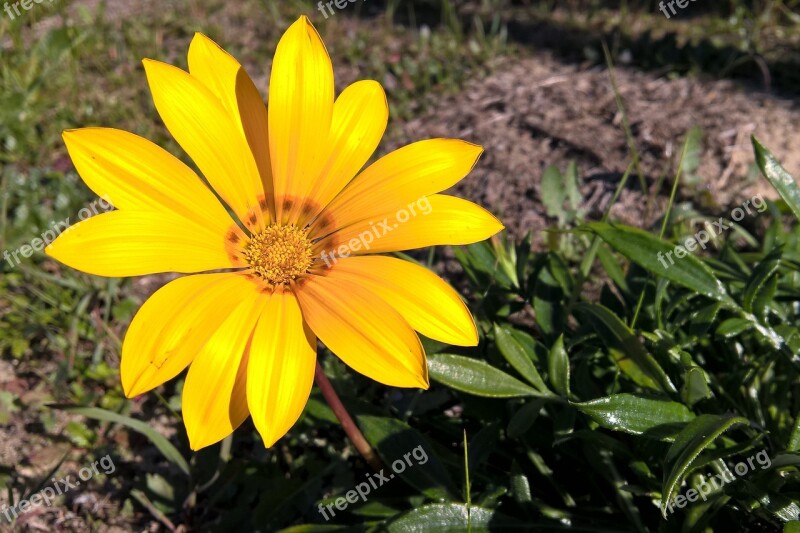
(281, 236)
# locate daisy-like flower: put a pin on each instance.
(266, 235)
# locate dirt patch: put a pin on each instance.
(536, 111)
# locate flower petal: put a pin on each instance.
(214, 398)
(135, 243)
(359, 120)
(363, 330)
(449, 220)
(280, 372)
(400, 178)
(133, 173)
(197, 119)
(427, 303)
(222, 74)
(172, 326)
(300, 110)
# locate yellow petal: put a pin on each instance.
(214, 398)
(172, 326)
(401, 178)
(280, 372)
(300, 110)
(427, 303)
(135, 243)
(363, 330)
(228, 80)
(197, 119)
(439, 219)
(133, 173)
(359, 120)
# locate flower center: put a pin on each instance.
(279, 254)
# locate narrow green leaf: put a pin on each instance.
(558, 363)
(482, 444)
(572, 187)
(520, 485)
(778, 177)
(612, 267)
(781, 507)
(695, 386)
(523, 419)
(476, 377)
(637, 415)
(689, 443)
(733, 327)
(794, 439)
(394, 439)
(553, 192)
(549, 293)
(159, 441)
(373, 510)
(694, 148)
(703, 319)
(481, 258)
(445, 518)
(626, 349)
(759, 282)
(519, 356)
(659, 257)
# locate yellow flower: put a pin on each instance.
(294, 211)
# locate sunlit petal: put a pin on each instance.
(280, 372)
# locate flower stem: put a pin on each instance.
(349, 426)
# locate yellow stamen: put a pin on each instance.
(279, 254)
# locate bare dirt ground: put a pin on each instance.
(536, 111)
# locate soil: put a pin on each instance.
(536, 111)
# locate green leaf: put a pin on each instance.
(792, 527)
(553, 193)
(523, 419)
(694, 148)
(518, 356)
(445, 518)
(520, 485)
(374, 510)
(626, 349)
(733, 327)
(704, 318)
(695, 386)
(759, 285)
(558, 364)
(476, 377)
(481, 258)
(572, 187)
(612, 268)
(781, 507)
(655, 255)
(689, 443)
(778, 177)
(159, 441)
(549, 292)
(394, 439)
(635, 414)
(481, 445)
(794, 438)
